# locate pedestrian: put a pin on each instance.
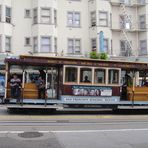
(15, 86)
(41, 88)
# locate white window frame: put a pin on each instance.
(35, 44)
(101, 68)
(107, 45)
(106, 19)
(64, 74)
(126, 49)
(35, 15)
(93, 47)
(47, 45)
(29, 41)
(9, 44)
(27, 15)
(142, 23)
(119, 76)
(73, 46)
(93, 19)
(55, 17)
(55, 45)
(0, 43)
(143, 42)
(8, 19)
(1, 13)
(43, 16)
(73, 19)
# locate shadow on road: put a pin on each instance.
(78, 112)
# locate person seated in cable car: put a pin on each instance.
(86, 79)
(144, 82)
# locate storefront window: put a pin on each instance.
(71, 74)
(113, 76)
(100, 76)
(86, 75)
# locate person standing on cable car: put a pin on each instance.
(41, 88)
(15, 85)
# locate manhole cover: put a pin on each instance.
(30, 134)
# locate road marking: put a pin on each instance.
(11, 132)
(77, 131)
(56, 117)
(97, 131)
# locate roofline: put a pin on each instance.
(83, 59)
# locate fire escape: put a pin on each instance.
(130, 24)
(126, 26)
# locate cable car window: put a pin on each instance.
(99, 76)
(71, 74)
(86, 75)
(113, 76)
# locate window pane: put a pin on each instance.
(45, 44)
(103, 18)
(35, 16)
(8, 43)
(71, 74)
(0, 13)
(8, 15)
(8, 12)
(93, 18)
(100, 76)
(35, 44)
(45, 15)
(113, 76)
(0, 43)
(85, 75)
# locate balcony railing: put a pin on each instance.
(129, 2)
(133, 26)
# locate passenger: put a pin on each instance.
(128, 80)
(41, 88)
(144, 83)
(15, 85)
(86, 79)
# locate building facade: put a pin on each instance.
(74, 27)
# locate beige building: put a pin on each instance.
(74, 27)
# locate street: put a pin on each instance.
(73, 130)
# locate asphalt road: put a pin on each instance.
(74, 130)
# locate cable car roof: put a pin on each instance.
(27, 60)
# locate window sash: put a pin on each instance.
(103, 18)
(73, 19)
(0, 13)
(71, 74)
(74, 46)
(45, 15)
(35, 44)
(45, 44)
(8, 43)
(113, 76)
(8, 15)
(35, 16)
(100, 76)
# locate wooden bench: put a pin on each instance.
(30, 91)
(140, 93)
